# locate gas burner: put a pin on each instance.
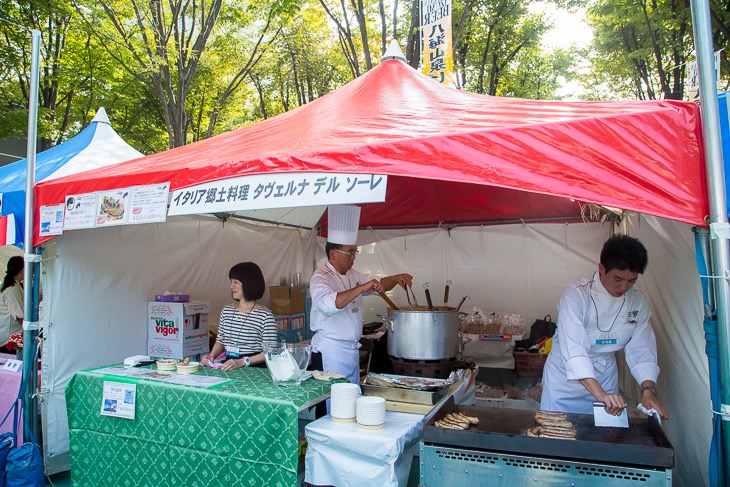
(436, 369)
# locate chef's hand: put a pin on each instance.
(205, 360)
(232, 364)
(648, 400)
(615, 404)
(372, 285)
(404, 280)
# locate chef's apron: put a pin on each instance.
(559, 394)
(340, 356)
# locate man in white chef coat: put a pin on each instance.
(336, 290)
(598, 315)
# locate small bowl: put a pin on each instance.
(189, 368)
(167, 364)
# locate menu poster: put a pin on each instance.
(80, 211)
(51, 220)
(118, 400)
(112, 207)
(149, 203)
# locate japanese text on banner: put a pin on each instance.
(438, 54)
(264, 191)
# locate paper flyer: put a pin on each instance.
(149, 203)
(112, 207)
(51, 220)
(118, 400)
(79, 211)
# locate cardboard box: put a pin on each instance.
(283, 292)
(177, 330)
(287, 306)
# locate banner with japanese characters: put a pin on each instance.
(281, 190)
(437, 51)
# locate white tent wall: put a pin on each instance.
(97, 284)
(671, 285)
(101, 280)
(505, 268)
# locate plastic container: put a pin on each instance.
(529, 364)
(287, 362)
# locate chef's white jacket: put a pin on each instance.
(337, 332)
(592, 326)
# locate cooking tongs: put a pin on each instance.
(408, 296)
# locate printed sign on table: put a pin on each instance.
(149, 203)
(284, 190)
(80, 211)
(118, 400)
(51, 220)
(112, 207)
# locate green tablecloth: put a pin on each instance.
(244, 432)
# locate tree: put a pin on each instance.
(642, 47)
(491, 36)
(69, 71)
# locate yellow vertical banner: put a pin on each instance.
(438, 53)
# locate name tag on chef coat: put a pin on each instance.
(606, 339)
(234, 352)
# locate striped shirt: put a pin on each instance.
(247, 331)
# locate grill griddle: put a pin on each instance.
(505, 430)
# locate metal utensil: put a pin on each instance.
(461, 302)
(415, 301)
(446, 292)
(428, 296)
(388, 300)
(408, 297)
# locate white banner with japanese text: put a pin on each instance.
(283, 190)
(437, 51)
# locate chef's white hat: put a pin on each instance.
(342, 224)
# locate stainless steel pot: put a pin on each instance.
(423, 335)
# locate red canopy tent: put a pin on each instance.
(452, 157)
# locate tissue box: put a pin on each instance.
(172, 298)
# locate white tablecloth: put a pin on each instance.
(345, 455)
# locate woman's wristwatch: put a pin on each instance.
(246, 361)
(651, 389)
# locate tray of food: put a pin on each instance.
(399, 388)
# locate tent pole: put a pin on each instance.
(718, 204)
(30, 304)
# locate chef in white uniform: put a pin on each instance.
(598, 315)
(337, 290)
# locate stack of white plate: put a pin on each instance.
(370, 412)
(343, 402)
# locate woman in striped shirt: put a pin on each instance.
(245, 325)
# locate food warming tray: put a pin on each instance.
(505, 430)
(438, 390)
(404, 395)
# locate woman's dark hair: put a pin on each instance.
(251, 278)
(623, 252)
(15, 267)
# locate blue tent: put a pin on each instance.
(98, 145)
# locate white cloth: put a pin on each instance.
(343, 454)
(11, 308)
(587, 313)
(337, 332)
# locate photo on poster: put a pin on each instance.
(112, 207)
